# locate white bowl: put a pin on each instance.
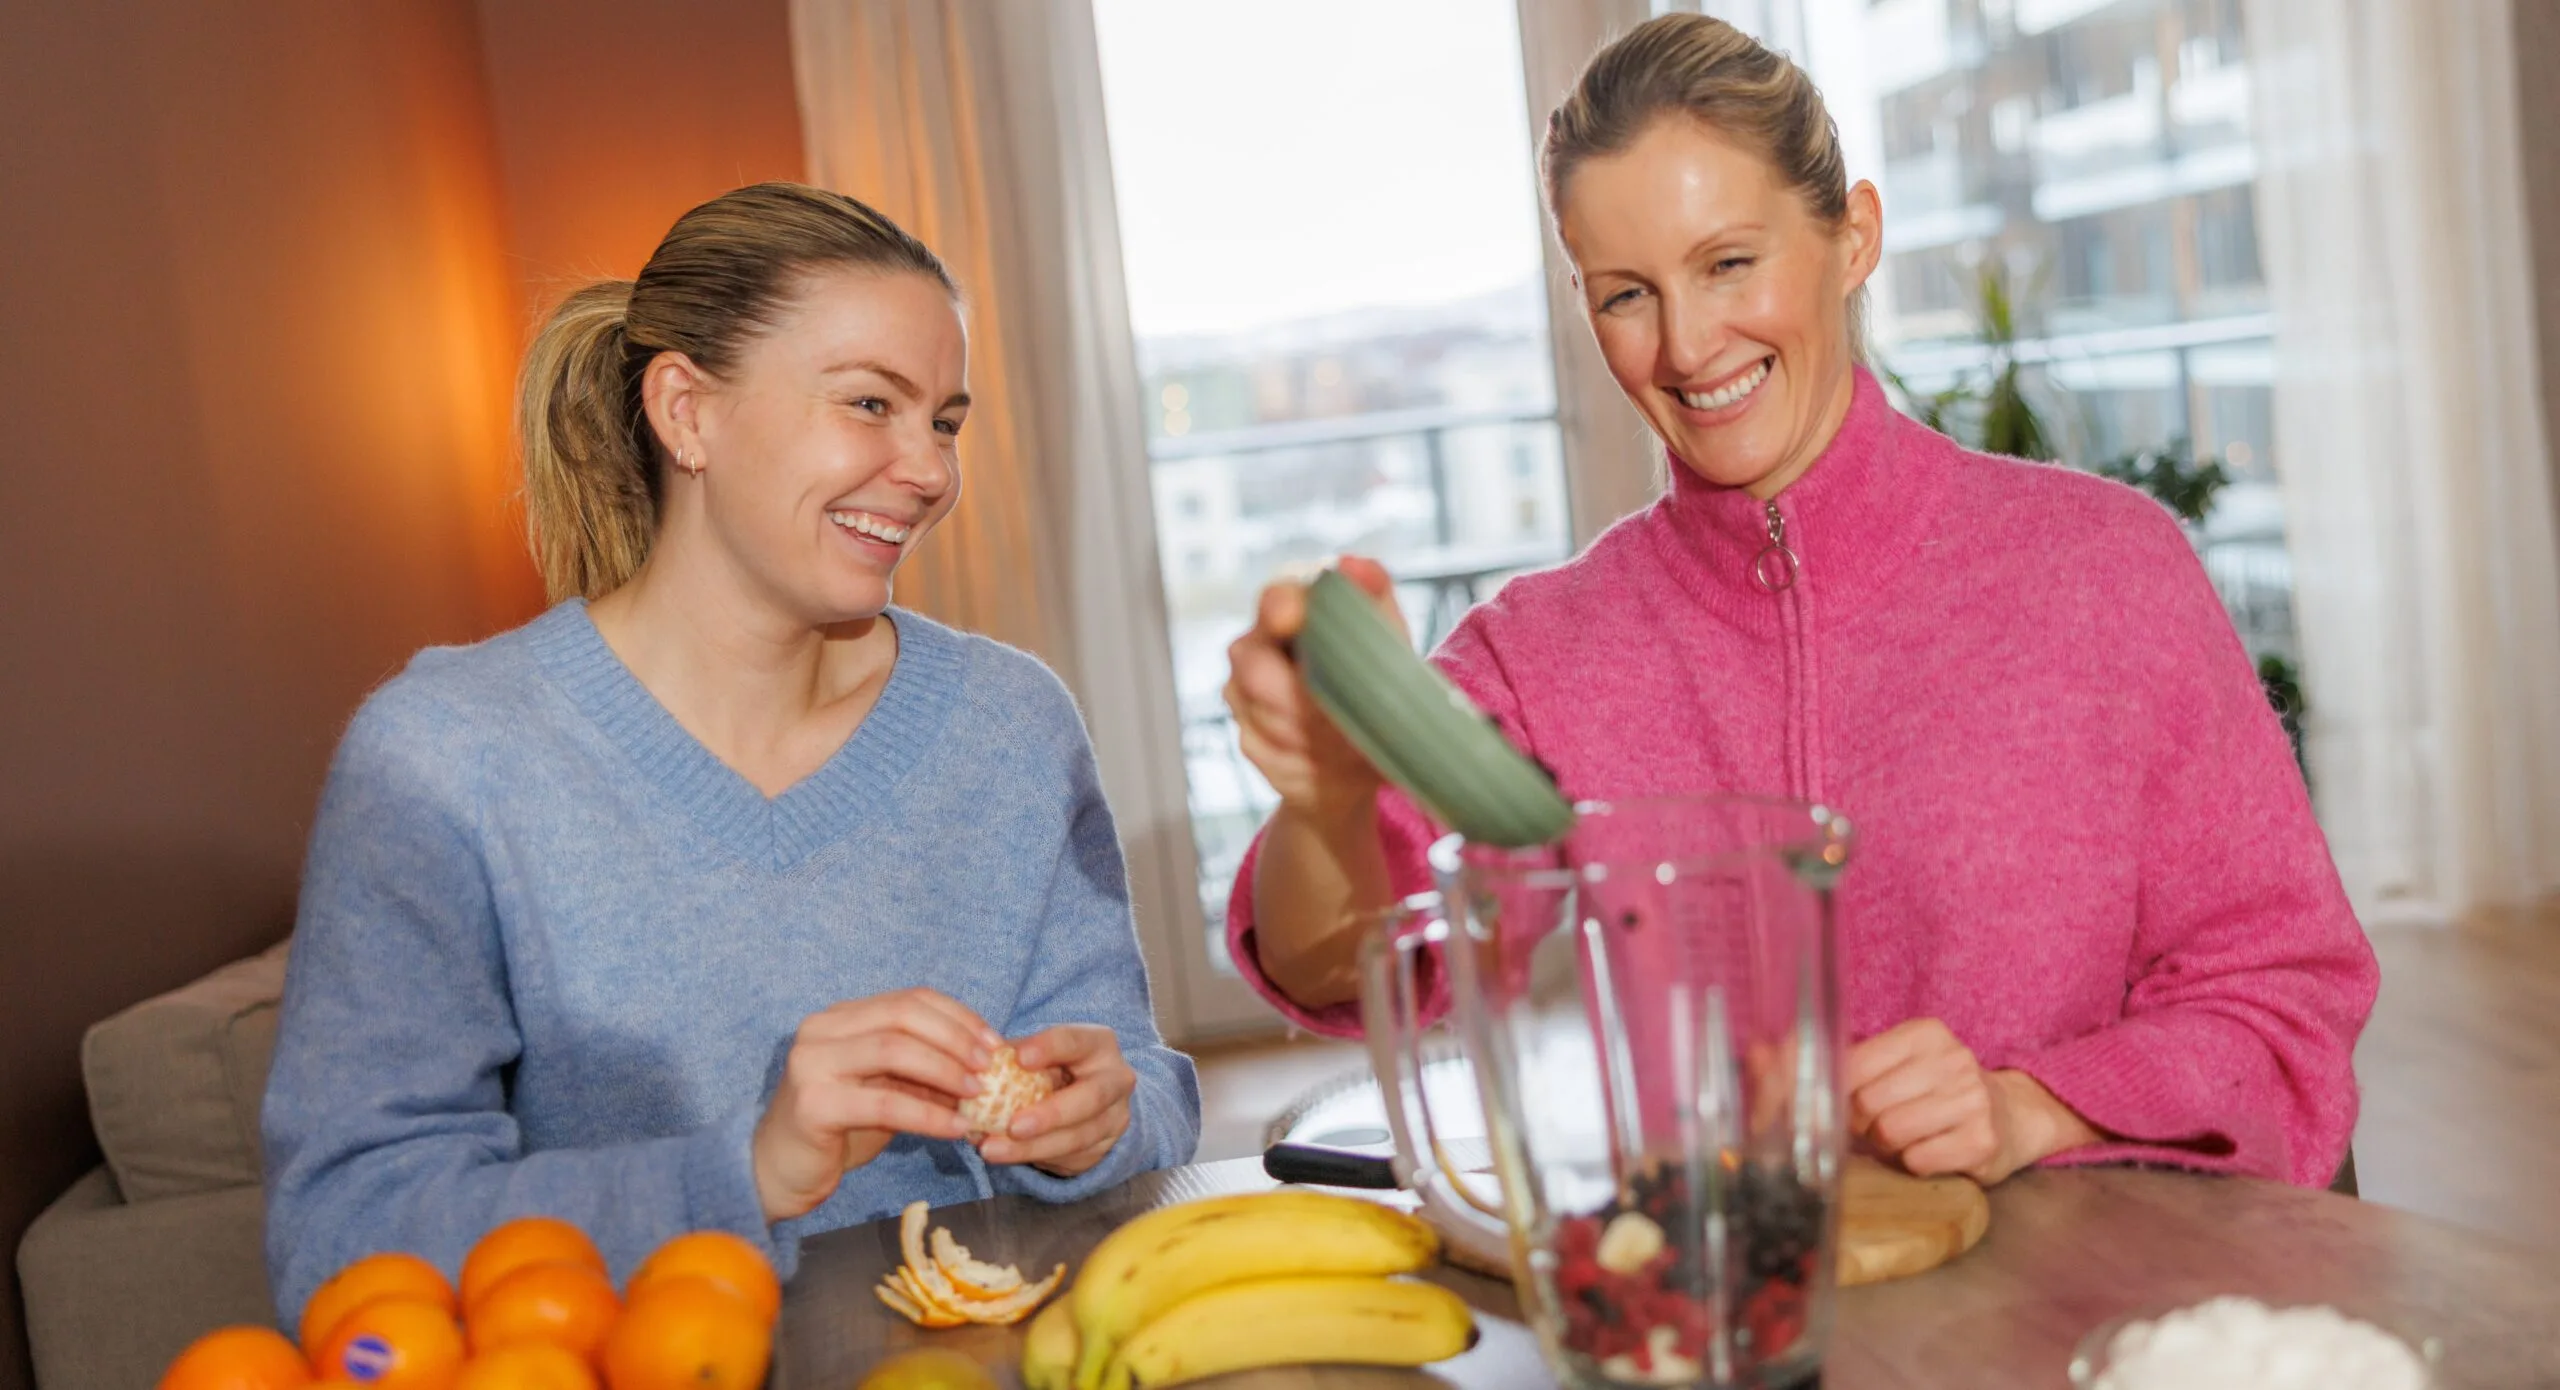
(2093, 1358)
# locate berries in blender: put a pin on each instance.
(1635, 1286)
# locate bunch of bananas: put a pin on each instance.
(1231, 1283)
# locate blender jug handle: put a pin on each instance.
(1391, 1014)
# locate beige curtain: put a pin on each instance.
(1613, 463)
(979, 125)
(2416, 473)
(903, 105)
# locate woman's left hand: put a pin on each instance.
(1918, 1097)
(1076, 1126)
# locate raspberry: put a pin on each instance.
(1580, 1324)
(1578, 1272)
(1775, 1226)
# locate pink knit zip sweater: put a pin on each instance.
(2082, 841)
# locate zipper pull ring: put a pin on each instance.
(1774, 568)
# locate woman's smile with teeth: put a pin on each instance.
(865, 524)
(1731, 393)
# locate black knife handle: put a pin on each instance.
(1319, 1167)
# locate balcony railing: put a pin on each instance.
(1432, 425)
(1437, 582)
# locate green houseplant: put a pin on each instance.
(1995, 411)
(2172, 473)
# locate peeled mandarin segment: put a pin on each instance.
(1005, 1090)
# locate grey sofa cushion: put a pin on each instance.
(175, 1081)
(115, 1292)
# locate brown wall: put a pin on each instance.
(264, 272)
(254, 329)
(257, 322)
(614, 116)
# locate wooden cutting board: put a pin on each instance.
(1892, 1225)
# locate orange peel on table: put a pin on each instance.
(894, 1294)
(1005, 1090)
(973, 1278)
(926, 1292)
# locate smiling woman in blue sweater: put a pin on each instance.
(699, 901)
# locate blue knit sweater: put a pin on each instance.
(551, 951)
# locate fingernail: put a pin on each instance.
(1025, 1128)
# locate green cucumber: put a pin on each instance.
(1421, 732)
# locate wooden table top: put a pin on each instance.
(2067, 1249)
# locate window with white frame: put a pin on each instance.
(1329, 219)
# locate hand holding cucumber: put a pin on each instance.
(1316, 771)
(1331, 703)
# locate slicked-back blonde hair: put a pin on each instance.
(1699, 67)
(594, 471)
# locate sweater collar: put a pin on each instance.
(780, 832)
(1852, 519)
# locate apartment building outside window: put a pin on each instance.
(2101, 151)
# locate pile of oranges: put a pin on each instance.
(536, 1310)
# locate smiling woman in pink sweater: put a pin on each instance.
(2092, 917)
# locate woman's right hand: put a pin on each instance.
(859, 1074)
(1316, 771)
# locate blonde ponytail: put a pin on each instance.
(594, 469)
(590, 493)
